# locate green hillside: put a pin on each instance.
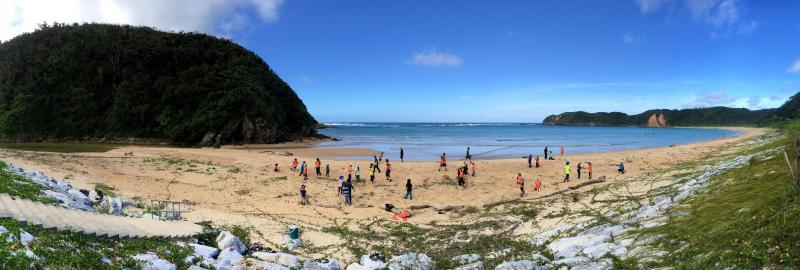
(99, 81)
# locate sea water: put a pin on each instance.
(427, 141)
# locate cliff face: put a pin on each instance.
(111, 82)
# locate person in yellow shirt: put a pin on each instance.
(567, 170)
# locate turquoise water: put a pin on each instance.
(426, 141)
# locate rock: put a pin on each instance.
(62, 198)
(572, 261)
(321, 264)
(541, 238)
(152, 262)
(79, 197)
(251, 263)
(284, 259)
(367, 263)
(25, 238)
(471, 266)
(411, 261)
(519, 265)
(225, 240)
(604, 264)
(466, 259)
(292, 244)
(600, 250)
(570, 246)
(195, 267)
(204, 251)
(116, 207)
(228, 258)
(3, 230)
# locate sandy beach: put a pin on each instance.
(237, 185)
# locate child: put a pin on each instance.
(409, 187)
(371, 173)
(537, 161)
(388, 170)
(303, 197)
(460, 174)
(347, 188)
(473, 168)
(519, 178)
(349, 172)
(466, 168)
(530, 157)
(318, 166)
(567, 170)
(276, 168)
(579, 170)
(538, 184)
(521, 187)
(327, 169)
(590, 170)
(401, 154)
(302, 168)
(294, 165)
(305, 173)
(341, 181)
(443, 162)
(358, 173)
(621, 168)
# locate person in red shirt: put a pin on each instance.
(388, 170)
(538, 184)
(590, 170)
(318, 166)
(562, 150)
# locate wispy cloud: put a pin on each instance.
(795, 67)
(646, 6)
(712, 99)
(631, 38)
(434, 58)
(725, 16)
(753, 102)
(222, 18)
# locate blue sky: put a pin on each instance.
(505, 61)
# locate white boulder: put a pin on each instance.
(228, 258)
(152, 262)
(204, 251)
(25, 238)
(324, 264)
(471, 266)
(519, 265)
(284, 259)
(226, 239)
(411, 261)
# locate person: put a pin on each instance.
(349, 171)
(473, 167)
(443, 162)
(567, 170)
(551, 156)
(341, 182)
(538, 184)
(371, 173)
(408, 190)
(276, 168)
(579, 170)
(562, 150)
(589, 170)
(380, 156)
(537, 161)
(545, 153)
(621, 168)
(347, 189)
(327, 169)
(318, 166)
(401, 154)
(530, 157)
(388, 170)
(377, 165)
(294, 165)
(358, 173)
(468, 156)
(521, 187)
(303, 196)
(519, 178)
(466, 168)
(460, 175)
(302, 168)
(305, 173)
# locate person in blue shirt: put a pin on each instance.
(621, 168)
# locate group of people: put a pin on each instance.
(537, 185)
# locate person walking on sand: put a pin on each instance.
(318, 166)
(519, 178)
(305, 173)
(468, 156)
(302, 168)
(303, 195)
(530, 158)
(347, 189)
(341, 182)
(388, 170)
(562, 150)
(349, 171)
(358, 173)
(294, 165)
(460, 176)
(473, 168)
(377, 164)
(466, 168)
(545, 153)
(537, 186)
(371, 173)
(589, 170)
(521, 187)
(327, 169)
(276, 168)
(579, 170)
(443, 162)
(537, 161)
(409, 187)
(401, 154)
(567, 170)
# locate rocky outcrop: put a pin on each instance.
(657, 120)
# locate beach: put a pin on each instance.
(237, 184)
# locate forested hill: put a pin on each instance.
(714, 116)
(99, 81)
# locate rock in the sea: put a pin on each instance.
(226, 239)
(152, 262)
(519, 265)
(284, 259)
(228, 258)
(321, 264)
(411, 261)
(466, 259)
(25, 238)
(471, 266)
(204, 251)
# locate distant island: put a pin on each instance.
(713, 116)
(100, 82)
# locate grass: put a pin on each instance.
(746, 219)
(59, 147)
(106, 189)
(18, 186)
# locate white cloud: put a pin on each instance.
(304, 78)
(646, 6)
(716, 12)
(795, 67)
(630, 38)
(753, 102)
(219, 17)
(718, 98)
(433, 58)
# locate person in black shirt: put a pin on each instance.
(409, 187)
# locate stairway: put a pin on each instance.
(89, 223)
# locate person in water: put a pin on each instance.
(567, 170)
(621, 168)
(388, 170)
(318, 166)
(401, 154)
(409, 187)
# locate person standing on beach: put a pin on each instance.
(349, 172)
(545, 153)
(303, 195)
(358, 173)
(409, 187)
(468, 156)
(377, 164)
(562, 150)
(473, 168)
(388, 170)
(530, 157)
(537, 186)
(294, 165)
(401, 154)
(341, 182)
(589, 170)
(567, 170)
(371, 173)
(380, 156)
(327, 169)
(302, 168)
(519, 178)
(347, 189)
(318, 166)
(276, 168)
(460, 176)
(579, 170)
(443, 162)
(305, 173)
(537, 161)
(466, 168)
(521, 187)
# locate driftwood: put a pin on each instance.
(594, 181)
(443, 208)
(493, 204)
(416, 207)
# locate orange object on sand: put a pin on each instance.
(402, 216)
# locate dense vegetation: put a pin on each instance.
(99, 81)
(714, 116)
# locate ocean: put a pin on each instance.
(426, 141)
